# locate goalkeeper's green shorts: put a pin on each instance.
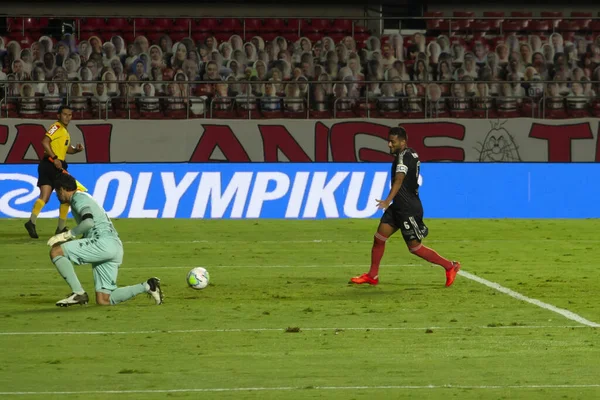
(105, 255)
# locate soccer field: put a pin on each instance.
(279, 320)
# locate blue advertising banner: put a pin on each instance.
(316, 190)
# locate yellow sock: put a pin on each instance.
(37, 209)
(63, 211)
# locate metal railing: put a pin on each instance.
(365, 101)
(302, 21)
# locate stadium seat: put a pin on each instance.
(93, 24)
(587, 17)
(161, 24)
(118, 25)
(182, 25)
(539, 27)
(555, 16)
(572, 25)
(253, 25)
(495, 19)
(294, 25)
(318, 25)
(341, 26)
(204, 25)
(141, 25)
(229, 25)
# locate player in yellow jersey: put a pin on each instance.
(57, 144)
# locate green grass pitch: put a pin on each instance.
(280, 318)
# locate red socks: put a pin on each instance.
(377, 254)
(430, 255)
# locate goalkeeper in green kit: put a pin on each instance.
(100, 246)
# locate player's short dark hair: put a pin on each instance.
(63, 107)
(399, 131)
(65, 181)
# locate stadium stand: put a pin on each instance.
(497, 64)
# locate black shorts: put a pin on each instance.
(47, 172)
(411, 226)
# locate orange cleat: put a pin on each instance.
(364, 278)
(451, 273)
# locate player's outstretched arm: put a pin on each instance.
(383, 204)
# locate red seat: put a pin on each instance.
(318, 25)
(341, 26)
(571, 25)
(270, 36)
(222, 36)
(253, 25)
(229, 25)
(293, 37)
(272, 25)
(511, 26)
(154, 37)
(118, 25)
(595, 26)
(319, 114)
(93, 24)
(480, 26)
(294, 25)
(496, 18)
(15, 24)
(464, 14)
(164, 24)
(204, 25)
(555, 16)
(176, 36)
(539, 26)
(141, 24)
(521, 14)
(587, 17)
(360, 29)
(494, 14)
(432, 24)
(295, 114)
(182, 25)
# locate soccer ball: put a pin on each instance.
(198, 278)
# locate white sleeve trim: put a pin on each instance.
(402, 168)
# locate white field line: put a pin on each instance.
(245, 330)
(565, 313)
(231, 266)
(320, 241)
(300, 388)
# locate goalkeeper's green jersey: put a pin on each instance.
(81, 204)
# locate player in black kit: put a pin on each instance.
(404, 212)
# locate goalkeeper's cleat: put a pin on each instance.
(30, 226)
(73, 299)
(364, 278)
(154, 290)
(63, 230)
(451, 273)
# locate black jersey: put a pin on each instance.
(407, 199)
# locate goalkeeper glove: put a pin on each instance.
(60, 238)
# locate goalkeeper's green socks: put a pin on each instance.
(125, 293)
(66, 270)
